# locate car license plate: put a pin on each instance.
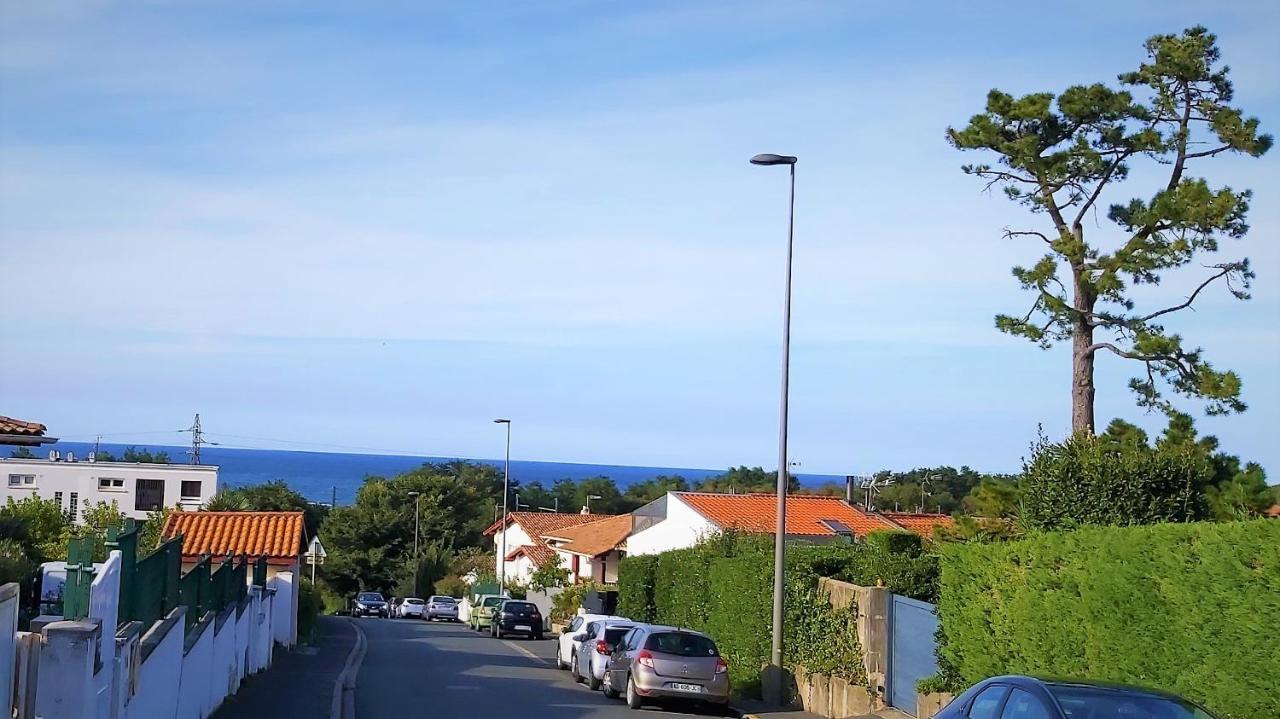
(523, 628)
(687, 687)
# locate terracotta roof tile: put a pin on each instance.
(805, 512)
(278, 535)
(9, 425)
(594, 538)
(536, 524)
(922, 524)
(538, 553)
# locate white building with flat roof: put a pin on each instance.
(136, 488)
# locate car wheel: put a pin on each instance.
(593, 683)
(537, 637)
(608, 689)
(559, 660)
(573, 669)
(633, 697)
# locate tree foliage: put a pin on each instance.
(370, 542)
(273, 496)
(1058, 156)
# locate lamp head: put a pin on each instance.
(769, 158)
(502, 421)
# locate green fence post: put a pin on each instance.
(75, 591)
(126, 541)
(173, 575)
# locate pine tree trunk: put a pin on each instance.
(1082, 390)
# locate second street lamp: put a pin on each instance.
(416, 504)
(780, 530)
(506, 480)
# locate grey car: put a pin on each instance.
(659, 662)
(592, 656)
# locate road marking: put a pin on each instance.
(343, 706)
(525, 652)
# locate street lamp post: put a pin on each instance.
(780, 529)
(417, 503)
(506, 480)
(589, 498)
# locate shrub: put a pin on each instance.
(1086, 480)
(739, 607)
(896, 542)
(566, 604)
(636, 576)
(1187, 608)
(310, 604)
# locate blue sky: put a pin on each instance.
(382, 225)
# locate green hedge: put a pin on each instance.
(636, 576)
(724, 586)
(1187, 608)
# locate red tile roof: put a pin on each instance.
(805, 512)
(9, 425)
(1274, 511)
(536, 524)
(538, 553)
(922, 524)
(594, 538)
(278, 535)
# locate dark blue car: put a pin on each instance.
(1017, 697)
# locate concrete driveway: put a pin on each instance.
(446, 671)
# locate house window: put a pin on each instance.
(75, 505)
(22, 480)
(57, 498)
(149, 496)
(111, 484)
(191, 490)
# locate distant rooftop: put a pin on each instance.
(22, 433)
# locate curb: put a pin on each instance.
(344, 687)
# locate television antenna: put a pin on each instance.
(871, 486)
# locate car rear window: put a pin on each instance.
(682, 644)
(370, 597)
(442, 600)
(413, 601)
(1085, 702)
(520, 607)
(613, 635)
(493, 602)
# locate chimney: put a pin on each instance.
(848, 489)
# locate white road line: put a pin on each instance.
(525, 652)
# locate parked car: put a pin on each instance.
(1021, 697)
(483, 609)
(571, 637)
(369, 604)
(516, 616)
(592, 658)
(441, 607)
(411, 607)
(657, 662)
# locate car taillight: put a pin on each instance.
(645, 659)
(721, 666)
(601, 647)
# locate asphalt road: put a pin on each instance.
(446, 671)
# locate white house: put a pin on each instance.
(136, 488)
(591, 551)
(679, 519)
(521, 534)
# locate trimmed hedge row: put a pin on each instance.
(724, 586)
(1188, 608)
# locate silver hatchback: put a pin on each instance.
(658, 662)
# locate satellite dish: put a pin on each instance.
(53, 455)
(71, 456)
(93, 457)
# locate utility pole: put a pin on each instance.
(197, 439)
(97, 446)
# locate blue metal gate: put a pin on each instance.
(912, 647)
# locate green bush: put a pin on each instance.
(1187, 608)
(724, 586)
(310, 604)
(1086, 480)
(896, 542)
(636, 576)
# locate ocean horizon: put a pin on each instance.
(320, 476)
